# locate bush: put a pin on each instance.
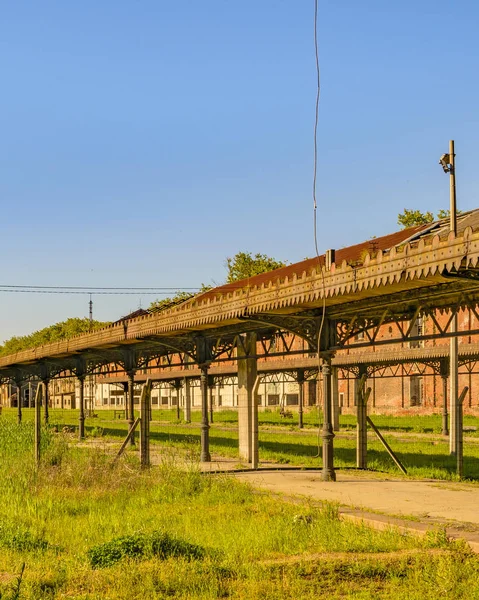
(141, 545)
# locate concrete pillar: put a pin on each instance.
(300, 379)
(187, 411)
(204, 428)
(247, 404)
(81, 418)
(335, 398)
(131, 403)
(453, 387)
(361, 424)
(327, 434)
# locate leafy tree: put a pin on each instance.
(244, 265)
(445, 214)
(241, 266)
(410, 218)
(53, 333)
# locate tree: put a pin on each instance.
(244, 265)
(54, 333)
(410, 218)
(241, 266)
(445, 214)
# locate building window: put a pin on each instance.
(415, 390)
(292, 400)
(273, 399)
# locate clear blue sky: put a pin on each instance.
(144, 142)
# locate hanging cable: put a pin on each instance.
(315, 202)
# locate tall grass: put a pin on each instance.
(79, 505)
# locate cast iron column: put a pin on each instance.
(177, 386)
(361, 419)
(327, 433)
(46, 399)
(300, 379)
(81, 418)
(18, 383)
(205, 436)
(131, 403)
(211, 386)
(445, 416)
(125, 398)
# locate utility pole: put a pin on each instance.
(448, 163)
(90, 304)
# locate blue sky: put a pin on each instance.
(144, 142)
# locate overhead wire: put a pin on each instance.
(315, 202)
(84, 287)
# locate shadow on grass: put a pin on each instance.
(291, 452)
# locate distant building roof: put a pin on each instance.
(141, 312)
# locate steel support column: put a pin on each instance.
(211, 387)
(125, 398)
(205, 434)
(81, 418)
(38, 425)
(18, 383)
(187, 408)
(177, 385)
(453, 387)
(300, 379)
(46, 400)
(131, 403)
(335, 398)
(145, 406)
(445, 417)
(327, 434)
(362, 425)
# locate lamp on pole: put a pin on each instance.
(448, 163)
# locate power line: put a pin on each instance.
(93, 288)
(83, 293)
(316, 117)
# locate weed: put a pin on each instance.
(140, 546)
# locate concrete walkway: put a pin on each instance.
(424, 499)
(412, 505)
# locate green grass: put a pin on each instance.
(425, 455)
(175, 533)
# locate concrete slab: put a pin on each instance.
(422, 499)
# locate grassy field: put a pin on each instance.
(84, 529)
(416, 440)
